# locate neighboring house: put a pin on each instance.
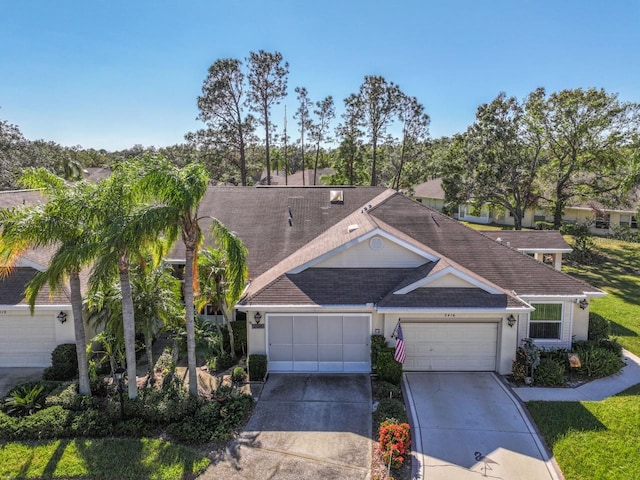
(27, 340)
(330, 266)
(602, 219)
(295, 179)
(538, 243)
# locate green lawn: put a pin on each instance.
(100, 458)
(593, 440)
(618, 275)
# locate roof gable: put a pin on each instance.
(449, 277)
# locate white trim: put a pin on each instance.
(360, 239)
(452, 310)
(25, 262)
(37, 308)
(446, 271)
(544, 250)
(552, 341)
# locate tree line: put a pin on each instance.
(546, 151)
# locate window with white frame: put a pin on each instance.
(545, 322)
(629, 221)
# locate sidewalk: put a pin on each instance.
(592, 391)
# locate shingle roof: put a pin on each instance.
(430, 189)
(331, 286)
(259, 216)
(12, 289)
(530, 240)
(450, 298)
(487, 258)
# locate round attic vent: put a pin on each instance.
(376, 243)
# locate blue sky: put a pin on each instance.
(118, 73)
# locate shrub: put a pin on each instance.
(550, 373)
(395, 442)
(220, 362)
(390, 408)
(519, 366)
(388, 369)
(213, 421)
(544, 225)
(25, 400)
(239, 336)
(257, 366)
(66, 395)
(90, 423)
(165, 363)
(385, 390)
(238, 375)
(599, 327)
(64, 363)
(378, 342)
(596, 361)
(131, 427)
(52, 422)
(611, 345)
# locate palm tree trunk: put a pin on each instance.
(190, 323)
(128, 320)
(232, 342)
(148, 345)
(84, 387)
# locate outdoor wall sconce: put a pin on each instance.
(511, 320)
(583, 303)
(257, 317)
(62, 317)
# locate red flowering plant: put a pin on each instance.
(395, 441)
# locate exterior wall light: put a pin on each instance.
(511, 320)
(62, 317)
(583, 303)
(257, 317)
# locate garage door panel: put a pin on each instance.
(450, 346)
(330, 330)
(305, 330)
(330, 353)
(305, 353)
(281, 330)
(281, 353)
(355, 330)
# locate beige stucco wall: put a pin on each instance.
(449, 281)
(580, 323)
(362, 255)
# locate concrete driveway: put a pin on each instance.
(304, 426)
(456, 415)
(10, 377)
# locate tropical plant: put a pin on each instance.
(222, 275)
(129, 230)
(66, 224)
(25, 400)
(177, 194)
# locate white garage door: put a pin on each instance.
(450, 346)
(26, 341)
(318, 343)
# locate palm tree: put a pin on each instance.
(222, 275)
(156, 301)
(65, 224)
(177, 194)
(128, 231)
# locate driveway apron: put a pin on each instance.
(468, 425)
(304, 426)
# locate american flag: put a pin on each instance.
(400, 353)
